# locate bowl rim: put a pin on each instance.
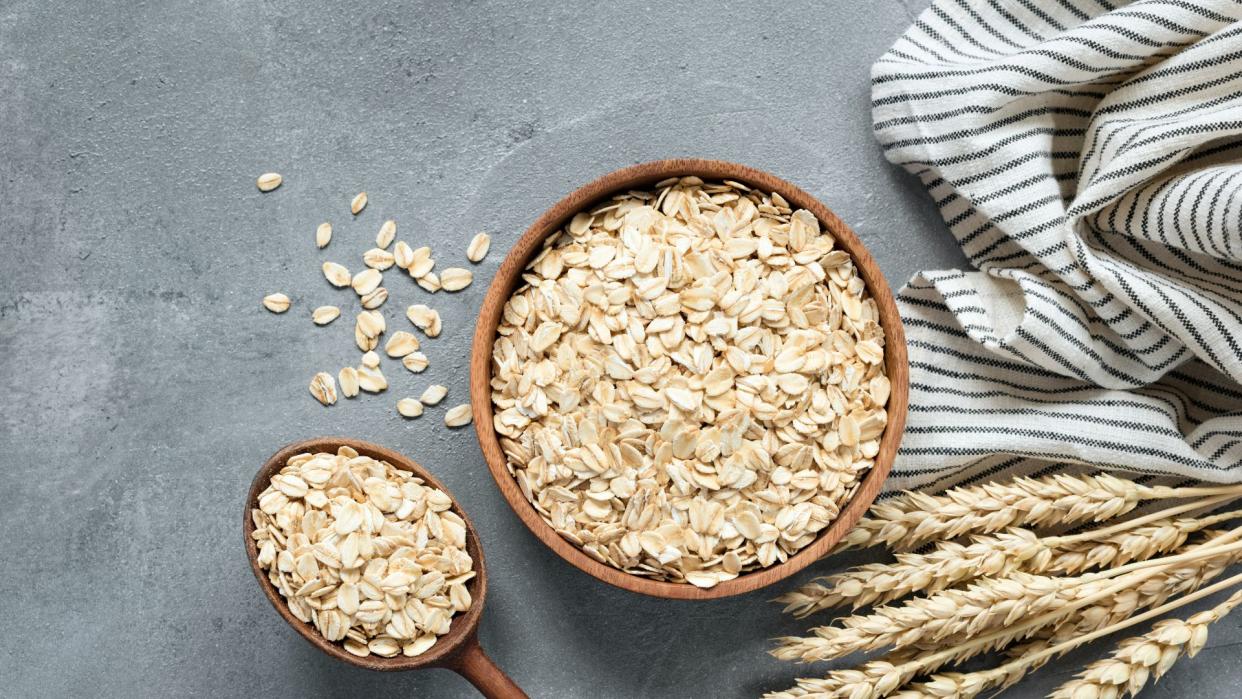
(462, 629)
(508, 277)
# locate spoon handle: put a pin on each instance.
(473, 664)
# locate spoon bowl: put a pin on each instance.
(458, 650)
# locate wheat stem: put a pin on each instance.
(1129, 524)
(912, 519)
(1164, 491)
(1179, 558)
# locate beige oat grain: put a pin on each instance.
(455, 278)
(416, 362)
(478, 247)
(325, 314)
(323, 388)
(366, 281)
(377, 258)
(336, 274)
(348, 378)
(401, 344)
(387, 232)
(269, 181)
(409, 407)
(458, 415)
(433, 394)
(276, 303)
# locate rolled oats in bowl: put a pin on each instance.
(370, 555)
(690, 382)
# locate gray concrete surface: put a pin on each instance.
(143, 384)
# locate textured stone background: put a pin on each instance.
(143, 384)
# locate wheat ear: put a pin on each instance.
(1107, 611)
(1156, 590)
(981, 606)
(985, 613)
(1138, 544)
(1143, 657)
(958, 685)
(951, 563)
(912, 519)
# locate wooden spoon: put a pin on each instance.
(458, 650)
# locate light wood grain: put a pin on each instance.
(458, 650)
(643, 176)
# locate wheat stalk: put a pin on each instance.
(1140, 658)
(957, 685)
(878, 678)
(951, 563)
(984, 605)
(1000, 597)
(1137, 544)
(912, 519)
(1153, 592)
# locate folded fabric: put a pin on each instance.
(1087, 156)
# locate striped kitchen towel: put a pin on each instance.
(1087, 156)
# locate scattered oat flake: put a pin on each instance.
(402, 254)
(455, 278)
(424, 318)
(416, 362)
(336, 274)
(348, 377)
(325, 314)
(421, 262)
(387, 232)
(429, 282)
(358, 203)
(375, 258)
(371, 379)
(433, 394)
(409, 407)
(401, 344)
(370, 324)
(458, 415)
(323, 388)
(367, 281)
(269, 181)
(276, 303)
(323, 235)
(478, 247)
(374, 299)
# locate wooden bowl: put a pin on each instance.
(458, 650)
(643, 176)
